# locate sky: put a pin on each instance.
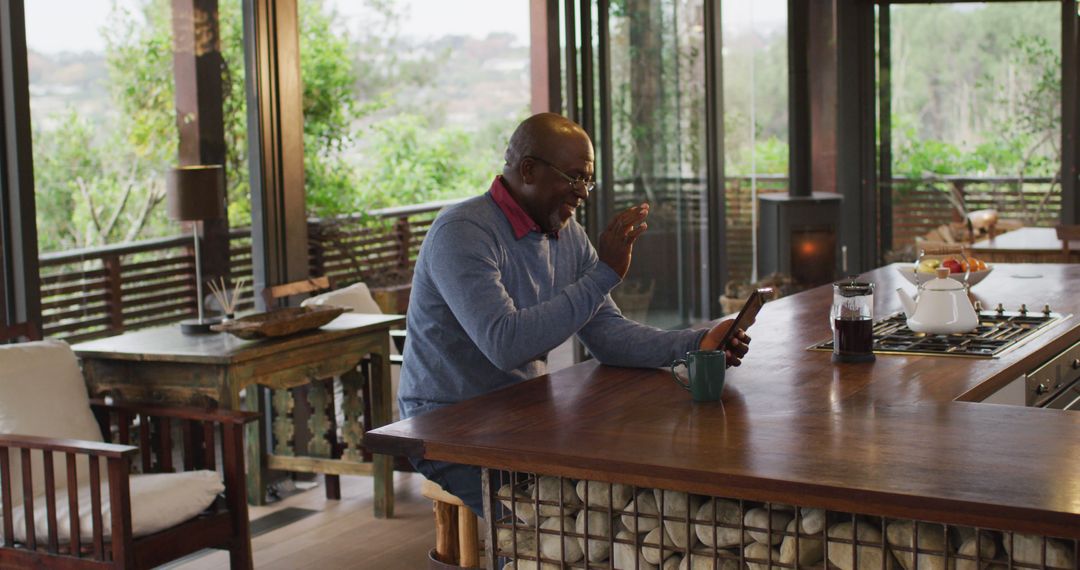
(78, 27)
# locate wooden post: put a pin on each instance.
(404, 238)
(544, 56)
(200, 122)
(445, 539)
(232, 443)
(123, 553)
(275, 144)
(20, 284)
(115, 301)
(467, 538)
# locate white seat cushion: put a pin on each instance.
(42, 393)
(358, 298)
(158, 501)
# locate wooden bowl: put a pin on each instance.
(282, 322)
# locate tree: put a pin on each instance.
(102, 183)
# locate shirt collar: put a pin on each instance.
(520, 221)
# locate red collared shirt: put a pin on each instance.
(520, 221)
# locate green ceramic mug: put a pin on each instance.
(706, 370)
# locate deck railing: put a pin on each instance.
(96, 292)
(102, 291)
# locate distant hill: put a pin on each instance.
(63, 81)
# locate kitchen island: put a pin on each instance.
(904, 437)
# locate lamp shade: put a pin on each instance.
(195, 192)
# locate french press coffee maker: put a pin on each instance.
(852, 321)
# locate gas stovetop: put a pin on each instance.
(998, 331)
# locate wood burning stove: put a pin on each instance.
(798, 237)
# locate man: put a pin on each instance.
(505, 277)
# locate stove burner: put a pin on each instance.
(998, 330)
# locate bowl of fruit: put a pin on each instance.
(924, 270)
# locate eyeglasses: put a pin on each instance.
(584, 184)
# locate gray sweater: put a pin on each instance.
(486, 309)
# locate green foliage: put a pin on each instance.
(409, 163)
(976, 92)
(100, 184)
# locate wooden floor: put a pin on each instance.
(343, 534)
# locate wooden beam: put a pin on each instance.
(714, 155)
(544, 64)
(798, 98)
(200, 117)
(1070, 112)
(823, 84)
(856, 180)
(275, 143)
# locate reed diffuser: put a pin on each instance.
(227, 300)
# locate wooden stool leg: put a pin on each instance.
(333, 487)
(445, 533)
(468, 544)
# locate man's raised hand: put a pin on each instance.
(617, 241)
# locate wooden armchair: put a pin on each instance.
(127, 498)
(1067, 233)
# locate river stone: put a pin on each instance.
(1027, 548)
(869, 556)
(759, 518)
(549, 543)
(675, 509)
(988, 551)
(599, 497)
(652, 552)
(599, 526)
(812, 520)
(548, 490)
(524, 508)
(646, 505)
(931, 538)
(672, 562)
(530, 565)
(526, 541)
(811, 551)
(624, 555)
(727, 512)
(708, 562)
(759, 551)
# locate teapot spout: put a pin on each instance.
(907, 302)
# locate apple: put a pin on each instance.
(928, 265)
(953, 265)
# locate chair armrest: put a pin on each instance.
(95, 448)
(218, 415)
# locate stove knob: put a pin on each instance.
(1023, 309)
(1000, 308)
(1046, 310)
(978, 306)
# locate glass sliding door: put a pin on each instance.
(651, 147)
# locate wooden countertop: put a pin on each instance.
(887, 438)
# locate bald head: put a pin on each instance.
(542, 134)
(546, 155)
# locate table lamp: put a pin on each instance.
(194, 194)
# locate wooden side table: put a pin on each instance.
(162, 364)
(1025, 245)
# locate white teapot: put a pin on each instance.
(943, 306)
